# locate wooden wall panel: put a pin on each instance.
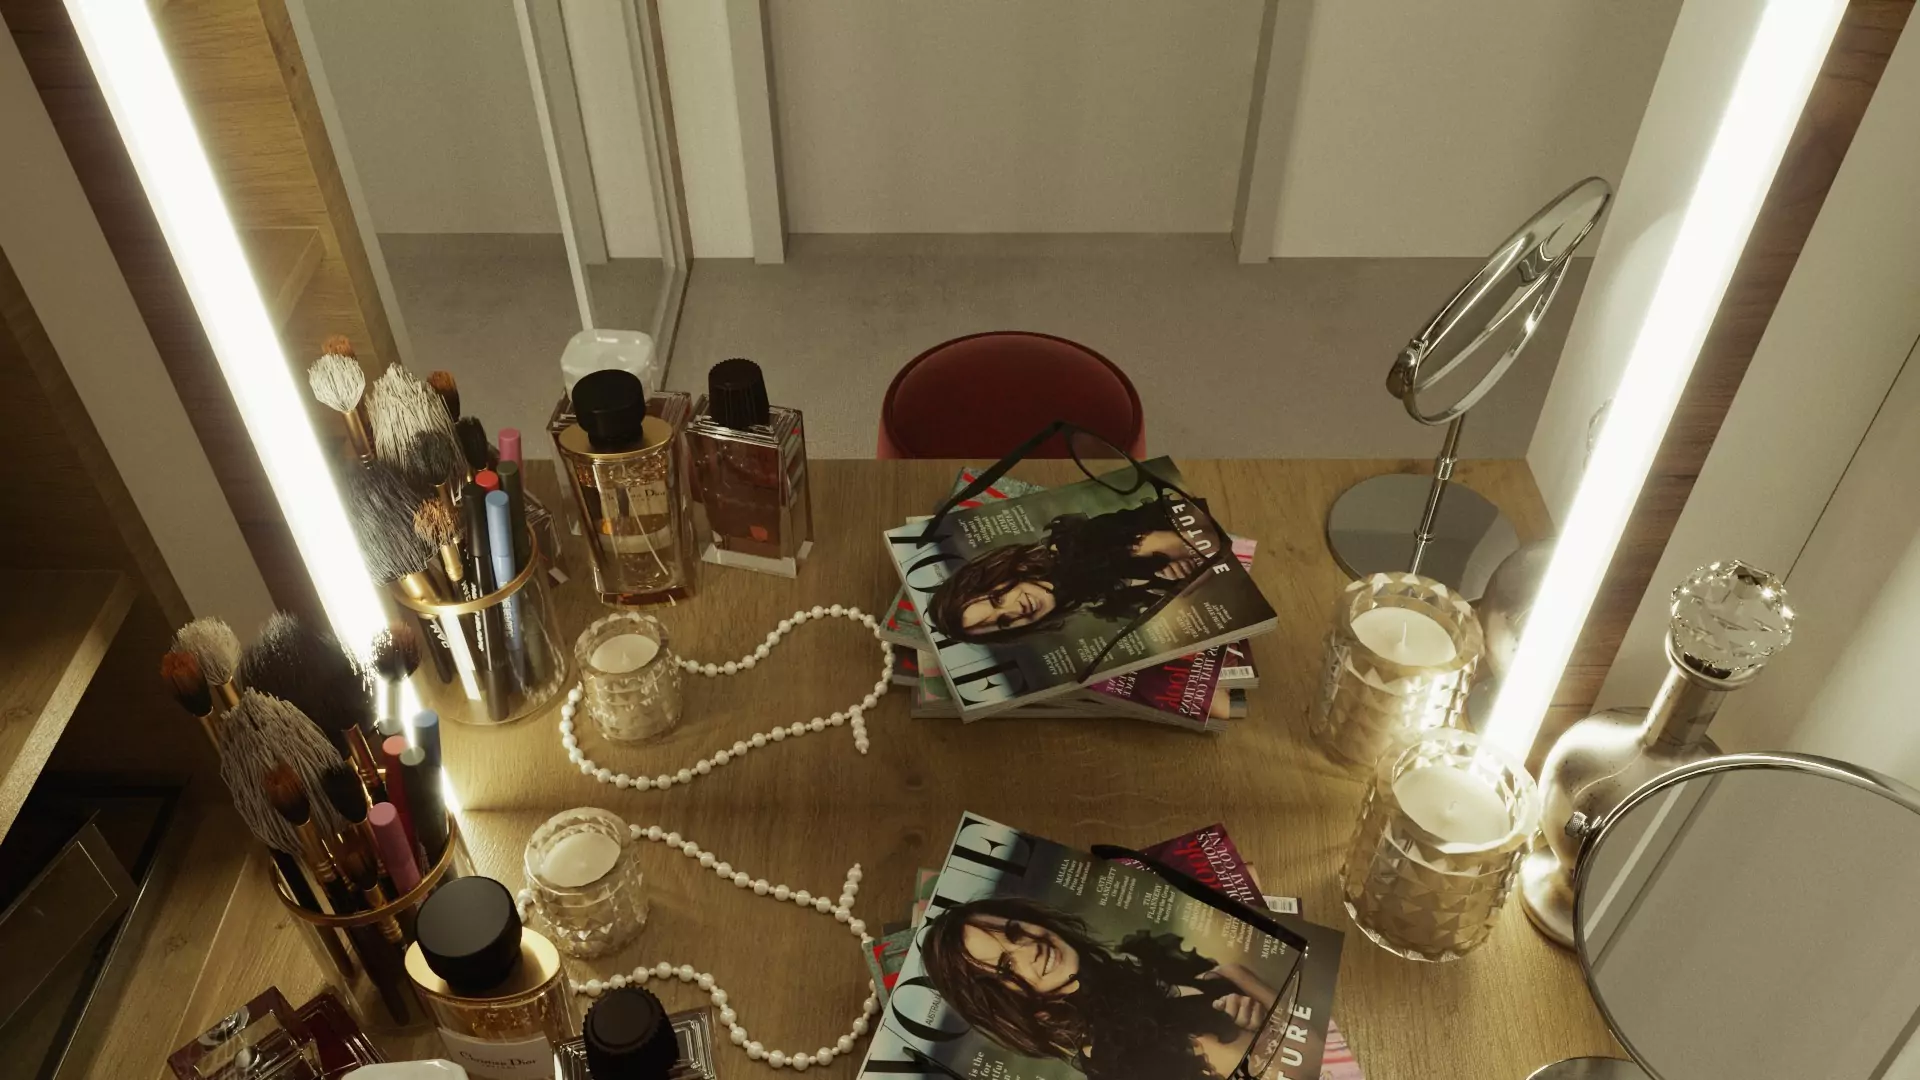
(1866, 38)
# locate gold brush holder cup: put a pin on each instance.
(376, 989)
(493, 683)
(1400, 658)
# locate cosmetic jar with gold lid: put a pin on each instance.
(496, 990)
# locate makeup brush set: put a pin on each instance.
(351, 813)
(446, 523)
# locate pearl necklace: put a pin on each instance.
(842, 911)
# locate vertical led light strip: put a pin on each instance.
(1775, 78)
(147, 107)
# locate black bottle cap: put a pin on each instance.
(612, 406)
(628, 1037)
(469, 934)
(737, 395)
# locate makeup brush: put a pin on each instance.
(340, 384)
(396, 656)
(344, 792)
(471, 434)
(435, 524)
(311, 870)
(432, 465)
(382, 505)
(401, 408)
(442, 383)
(255, 735)
(307, 668)
(181, 672)
(338, 345)
(214, 644)
(352, 851)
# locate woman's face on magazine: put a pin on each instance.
(1022, 605)
(1022, 954)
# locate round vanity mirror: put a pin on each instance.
(1429, 524)
(1752, 916)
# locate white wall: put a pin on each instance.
(706, 117)
(603, 71)
(1683, 113)
(438, 114)
(1842, 330)
(1435, 129)
(1010, 115)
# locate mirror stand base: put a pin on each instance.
(1371, 528)
(1546, 889)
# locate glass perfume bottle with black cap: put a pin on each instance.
(627, 457)
(495, 990)
(750, 459)
(629, 1036)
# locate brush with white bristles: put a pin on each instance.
(340, 384)
(401, 409)
(214, 644)
(258, 733)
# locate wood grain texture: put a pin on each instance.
(253, 111)
(284, 261)
(54, 629)
(1866, 38)
(803, 811)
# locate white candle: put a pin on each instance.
(1405, 636)
(1453, 804)
(580, 858)
(627, 652)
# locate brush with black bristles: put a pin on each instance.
(401, 408)
(432, 465)
(396, 656)
(382, 505)
(340, 383)
(471, 435)
(444, 384)
(216, 647)
(307, 667)
(310, 875)
(181, 672)
(352, 850)
(257, 734)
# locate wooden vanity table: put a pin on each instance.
(803, 811)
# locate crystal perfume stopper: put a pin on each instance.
(1728, 618)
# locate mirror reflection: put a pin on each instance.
(1730, 919)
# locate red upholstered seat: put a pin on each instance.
(982, 395)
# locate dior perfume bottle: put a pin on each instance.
(496, 990)
(629, 1036)
(626, 456)
(750, 459)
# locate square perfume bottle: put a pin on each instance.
(750, 467)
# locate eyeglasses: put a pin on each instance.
(1119, 472)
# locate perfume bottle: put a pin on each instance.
(750, 459)
(1726, 620)
(629, 1036)
(262, 1040)
(626, 456)
(496, 991)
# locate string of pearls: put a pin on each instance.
(842, 912)
(853, 715)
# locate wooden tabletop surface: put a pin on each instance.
(803, 811)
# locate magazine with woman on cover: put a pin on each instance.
(1038, 962)
(1027, 598)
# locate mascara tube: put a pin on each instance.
(426, 735)
(505, 569)
(429, 810)
(390, 751)
(539, 660)
(396, 852)
(496, 677)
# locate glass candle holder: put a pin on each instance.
(1438, 846)
(1400, 658)
(586, 882)
(630, 681)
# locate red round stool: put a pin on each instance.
(982, 395)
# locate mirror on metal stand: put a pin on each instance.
(1431, 525)
(1750, 916)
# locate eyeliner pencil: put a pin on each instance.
(496, 681)
(505, 569)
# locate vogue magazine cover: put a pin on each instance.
(1020, 596)
(1038, 962)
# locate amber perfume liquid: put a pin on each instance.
(507, 1032)
(636, 506)
(753, 489)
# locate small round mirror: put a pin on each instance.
(1751, 917)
